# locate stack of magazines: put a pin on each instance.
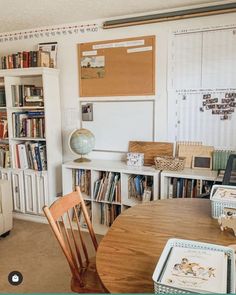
(195, 267)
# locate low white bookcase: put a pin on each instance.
(95, 169)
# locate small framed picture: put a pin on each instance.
(50, 47)
(44, 59)
(202, 162)
(87, 112)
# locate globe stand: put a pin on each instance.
(81, 159)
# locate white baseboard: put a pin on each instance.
(29, 217)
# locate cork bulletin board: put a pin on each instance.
(124, 67)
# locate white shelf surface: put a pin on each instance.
(26, 108)
(192, 173)
(108, 165)
(26, 72)
(28, 138)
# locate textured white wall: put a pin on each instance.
(67, 63)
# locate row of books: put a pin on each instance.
(140, 187)
(27, 95)
(82, 178)
(30, 155)
(220, 158)
(108, 187)
(26, 59)
(109, 212)
(80, 215)
(29, 124)
(3, 125)
(2, 96)
(5, 161)
(188, 188)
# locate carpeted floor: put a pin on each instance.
(32, 249)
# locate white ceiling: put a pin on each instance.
(27, 14)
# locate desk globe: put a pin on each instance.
(81, 142)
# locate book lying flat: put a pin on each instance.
(196, 270)
(225, 193)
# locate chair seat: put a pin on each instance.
(91, 281)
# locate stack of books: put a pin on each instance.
(108, 188)
(29, 124)
(30, 155)
(140, 187)
(80, 214)
(3, 125)
(26, 59)
(82, 178)
(2, 96)
(109, 212)
(220, 158)
(27, 95)
(188, 188)
(5, 156)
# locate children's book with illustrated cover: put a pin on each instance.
(196, 270)
(225, 193)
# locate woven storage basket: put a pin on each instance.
(160, 288)
(169, 163)
(218, 205)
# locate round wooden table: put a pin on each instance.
(128, 254)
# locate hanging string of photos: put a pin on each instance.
(49, 32)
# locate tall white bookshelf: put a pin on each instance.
(95, 168)
(33, 188)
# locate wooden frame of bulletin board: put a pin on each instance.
(124, 67)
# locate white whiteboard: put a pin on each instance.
(116, 123)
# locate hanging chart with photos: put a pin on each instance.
(201, 85)
(209, 117)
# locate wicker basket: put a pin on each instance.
(217, 206)
(169, 163)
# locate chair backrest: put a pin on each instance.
(230, 171)
(62, 216)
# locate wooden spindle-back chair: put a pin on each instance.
(59, 215)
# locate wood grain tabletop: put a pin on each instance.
(129, 252)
